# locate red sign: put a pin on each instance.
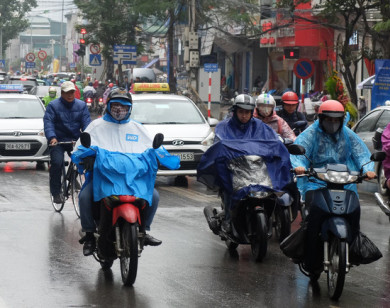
(30, 57)
(94, 48)
(304, 68)
(42, 55)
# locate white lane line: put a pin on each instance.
(196, 196)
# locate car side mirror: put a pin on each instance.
(212, 122)
(85, 139)
(296, 149)
(158, 140)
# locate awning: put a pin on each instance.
(230, 44)
(366, 83)
(151, 63)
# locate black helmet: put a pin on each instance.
(119, 93)
(244, 101)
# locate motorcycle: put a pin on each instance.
(340, 204)
(100, 106)
(258, 203)
(120, 218)
(89, 101)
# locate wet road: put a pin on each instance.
(42, 263)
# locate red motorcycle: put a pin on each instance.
(121, 230)
(89, 101)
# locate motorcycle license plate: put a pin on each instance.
(17, 146)
(185, 156)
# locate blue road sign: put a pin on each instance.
(95, 59)
(125, 54)
(2, 63)
(30, 64)
(211, 67)
(304, 68)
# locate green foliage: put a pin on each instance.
(353, 112)
(330, 86)
(13, 18)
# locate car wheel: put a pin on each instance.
(181, 181)
(40, 165)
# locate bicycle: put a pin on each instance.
(71, 183)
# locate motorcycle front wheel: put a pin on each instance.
(259, 241)
(337, 267)
(129, 256)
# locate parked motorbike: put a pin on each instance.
(120, 221)
(258, 204)
(340, 205)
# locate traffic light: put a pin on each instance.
(81, 51)
(291, 53)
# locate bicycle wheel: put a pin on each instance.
(77, 181)
(59, 206)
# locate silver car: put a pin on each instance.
(366, 127)
(21, 129)
(187, 133)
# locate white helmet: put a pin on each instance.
(244, 101)
(265, 104)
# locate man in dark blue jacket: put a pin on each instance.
(64, 119)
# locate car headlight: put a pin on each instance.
(208, 141)
(41, 133)
(337, 177)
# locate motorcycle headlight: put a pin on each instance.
(41, 133)
(337, 177)
(208, 141)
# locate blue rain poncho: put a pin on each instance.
(116, 173)
(226, 165)
(344, 147)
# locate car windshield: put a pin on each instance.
(13, 108)
(27, 82)
(164, 111)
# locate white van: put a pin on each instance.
(144, 74)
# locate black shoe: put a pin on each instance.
(89, 244)
(226, 226)
(57, 199)
(151, 241)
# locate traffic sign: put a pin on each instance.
(2, 63)
(304, 68)
(125, 54)
(30, 64)
(30, 57)
(95, 60)
(211, 67)
(42, 55)
(94, 48)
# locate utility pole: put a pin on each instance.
(62, 20)
(191, 48)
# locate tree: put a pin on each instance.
(12, 19)
(110, 22)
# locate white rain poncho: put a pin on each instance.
(344, 147)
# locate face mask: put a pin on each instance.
(52, 94)
(119, 112)
(265, 111)
(331, 127)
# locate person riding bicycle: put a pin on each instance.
(111, 132)
(265, 111)
(327, 141)
(290, 114)
(52, 95)
(242, 125)
(64, 119)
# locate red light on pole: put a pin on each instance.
(83, 31)
(82, 41)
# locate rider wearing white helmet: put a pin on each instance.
(265, 111)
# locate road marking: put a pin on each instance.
(190, 194)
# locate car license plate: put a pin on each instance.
(185, 156)
(17, 146)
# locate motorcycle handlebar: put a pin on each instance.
(62, 142)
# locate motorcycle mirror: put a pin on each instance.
(378, 156)
(300, 124)
(85, 139)
(158, 140)
(296, 149)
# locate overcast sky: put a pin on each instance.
(53, 8)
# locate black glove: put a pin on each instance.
(88, 163)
